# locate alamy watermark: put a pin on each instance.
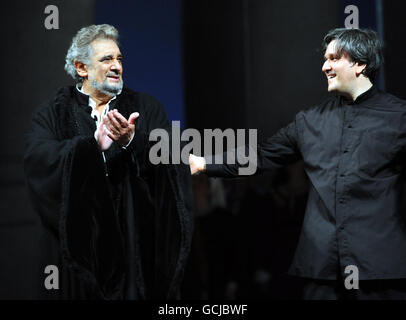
(352, 280)
(52, 20)
(168, 147)
(51, 281)
(352, 20)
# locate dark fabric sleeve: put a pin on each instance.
(44, 160)
(279, 150)
(66, 179)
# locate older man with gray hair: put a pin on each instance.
(117, 227)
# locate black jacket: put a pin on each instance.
(120, 229)
(354, 156)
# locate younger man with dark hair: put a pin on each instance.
(353, 146)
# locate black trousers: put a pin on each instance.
(393, 289)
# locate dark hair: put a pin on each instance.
(361, 45)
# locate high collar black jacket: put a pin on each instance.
(354, 157)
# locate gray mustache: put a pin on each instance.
(113, 74)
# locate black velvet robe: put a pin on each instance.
(119, 229)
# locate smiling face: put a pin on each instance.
(341, 73)
(104, 73)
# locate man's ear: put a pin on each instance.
(359, 68)
(81, 68)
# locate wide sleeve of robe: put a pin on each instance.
(67, 183)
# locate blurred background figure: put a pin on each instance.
(211, 270)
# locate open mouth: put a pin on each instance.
(331, 76)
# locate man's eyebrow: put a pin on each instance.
(329, 55)
(110, 56)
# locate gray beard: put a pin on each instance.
(106, 88)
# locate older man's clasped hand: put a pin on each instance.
(114, 127)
